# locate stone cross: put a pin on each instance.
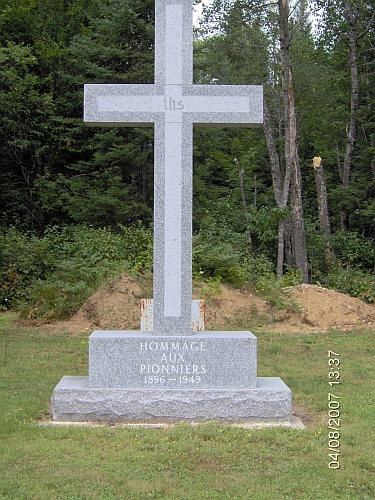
(173, 105)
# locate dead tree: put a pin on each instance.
(325, 226)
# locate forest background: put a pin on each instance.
(291, 202)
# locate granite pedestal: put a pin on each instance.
(139, 377)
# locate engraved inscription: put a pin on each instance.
(173, 105)
(171, 365)
(172, 346)
(174, 369)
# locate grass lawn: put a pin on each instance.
(206, 462)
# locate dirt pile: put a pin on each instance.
(306, 308)
(323, 309)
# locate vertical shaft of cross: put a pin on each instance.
(173, 171)
(173, 41)
(172, 105)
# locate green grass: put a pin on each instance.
(207, 462)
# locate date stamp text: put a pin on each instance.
(334, 419)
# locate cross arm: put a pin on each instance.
(224, 105)
(119, 105)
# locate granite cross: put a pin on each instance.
(173, 105)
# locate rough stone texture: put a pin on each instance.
(74, 401)
(205, 360)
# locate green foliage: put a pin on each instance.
(53, 299)
(354, 250)
(351, 270)
(273, 289)
(255, 269)
(233, 51)
(222, 251)
(57, 172)
(218, 248)
(209, 288)
(138, 247)
(354, 269)
(351, 280)
(51, 276)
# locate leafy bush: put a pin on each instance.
(53, 299)
(354, 250)
(272, 289)
(259, 270)
(221, 248)
(352, 270)
(353, 281)
(51, 276)
(210, 288)
(138, 246)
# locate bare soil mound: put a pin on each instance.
(323, 309)
(305, 308)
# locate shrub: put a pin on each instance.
(138, 246)
(354, 250)
(51, 276)
(351, 280)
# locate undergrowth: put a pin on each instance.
(49, 277)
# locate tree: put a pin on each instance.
(325, 225)
(25, 107)
(251, 28)
(291, 145)
(54, 168)
(347, 27)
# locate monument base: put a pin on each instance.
(74, 401)
(202, 360)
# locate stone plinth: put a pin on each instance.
(144, 378)
(140, 360)
(74, 401)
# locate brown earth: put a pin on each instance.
(303, 308)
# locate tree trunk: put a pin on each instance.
(291, 145)
(240, 176)
(351, 138)
(325, 226)
(289, 242)
(280, 187)
(300, 250)
(296, 190)
(277, 180)
(369, 105)
(280, 247)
